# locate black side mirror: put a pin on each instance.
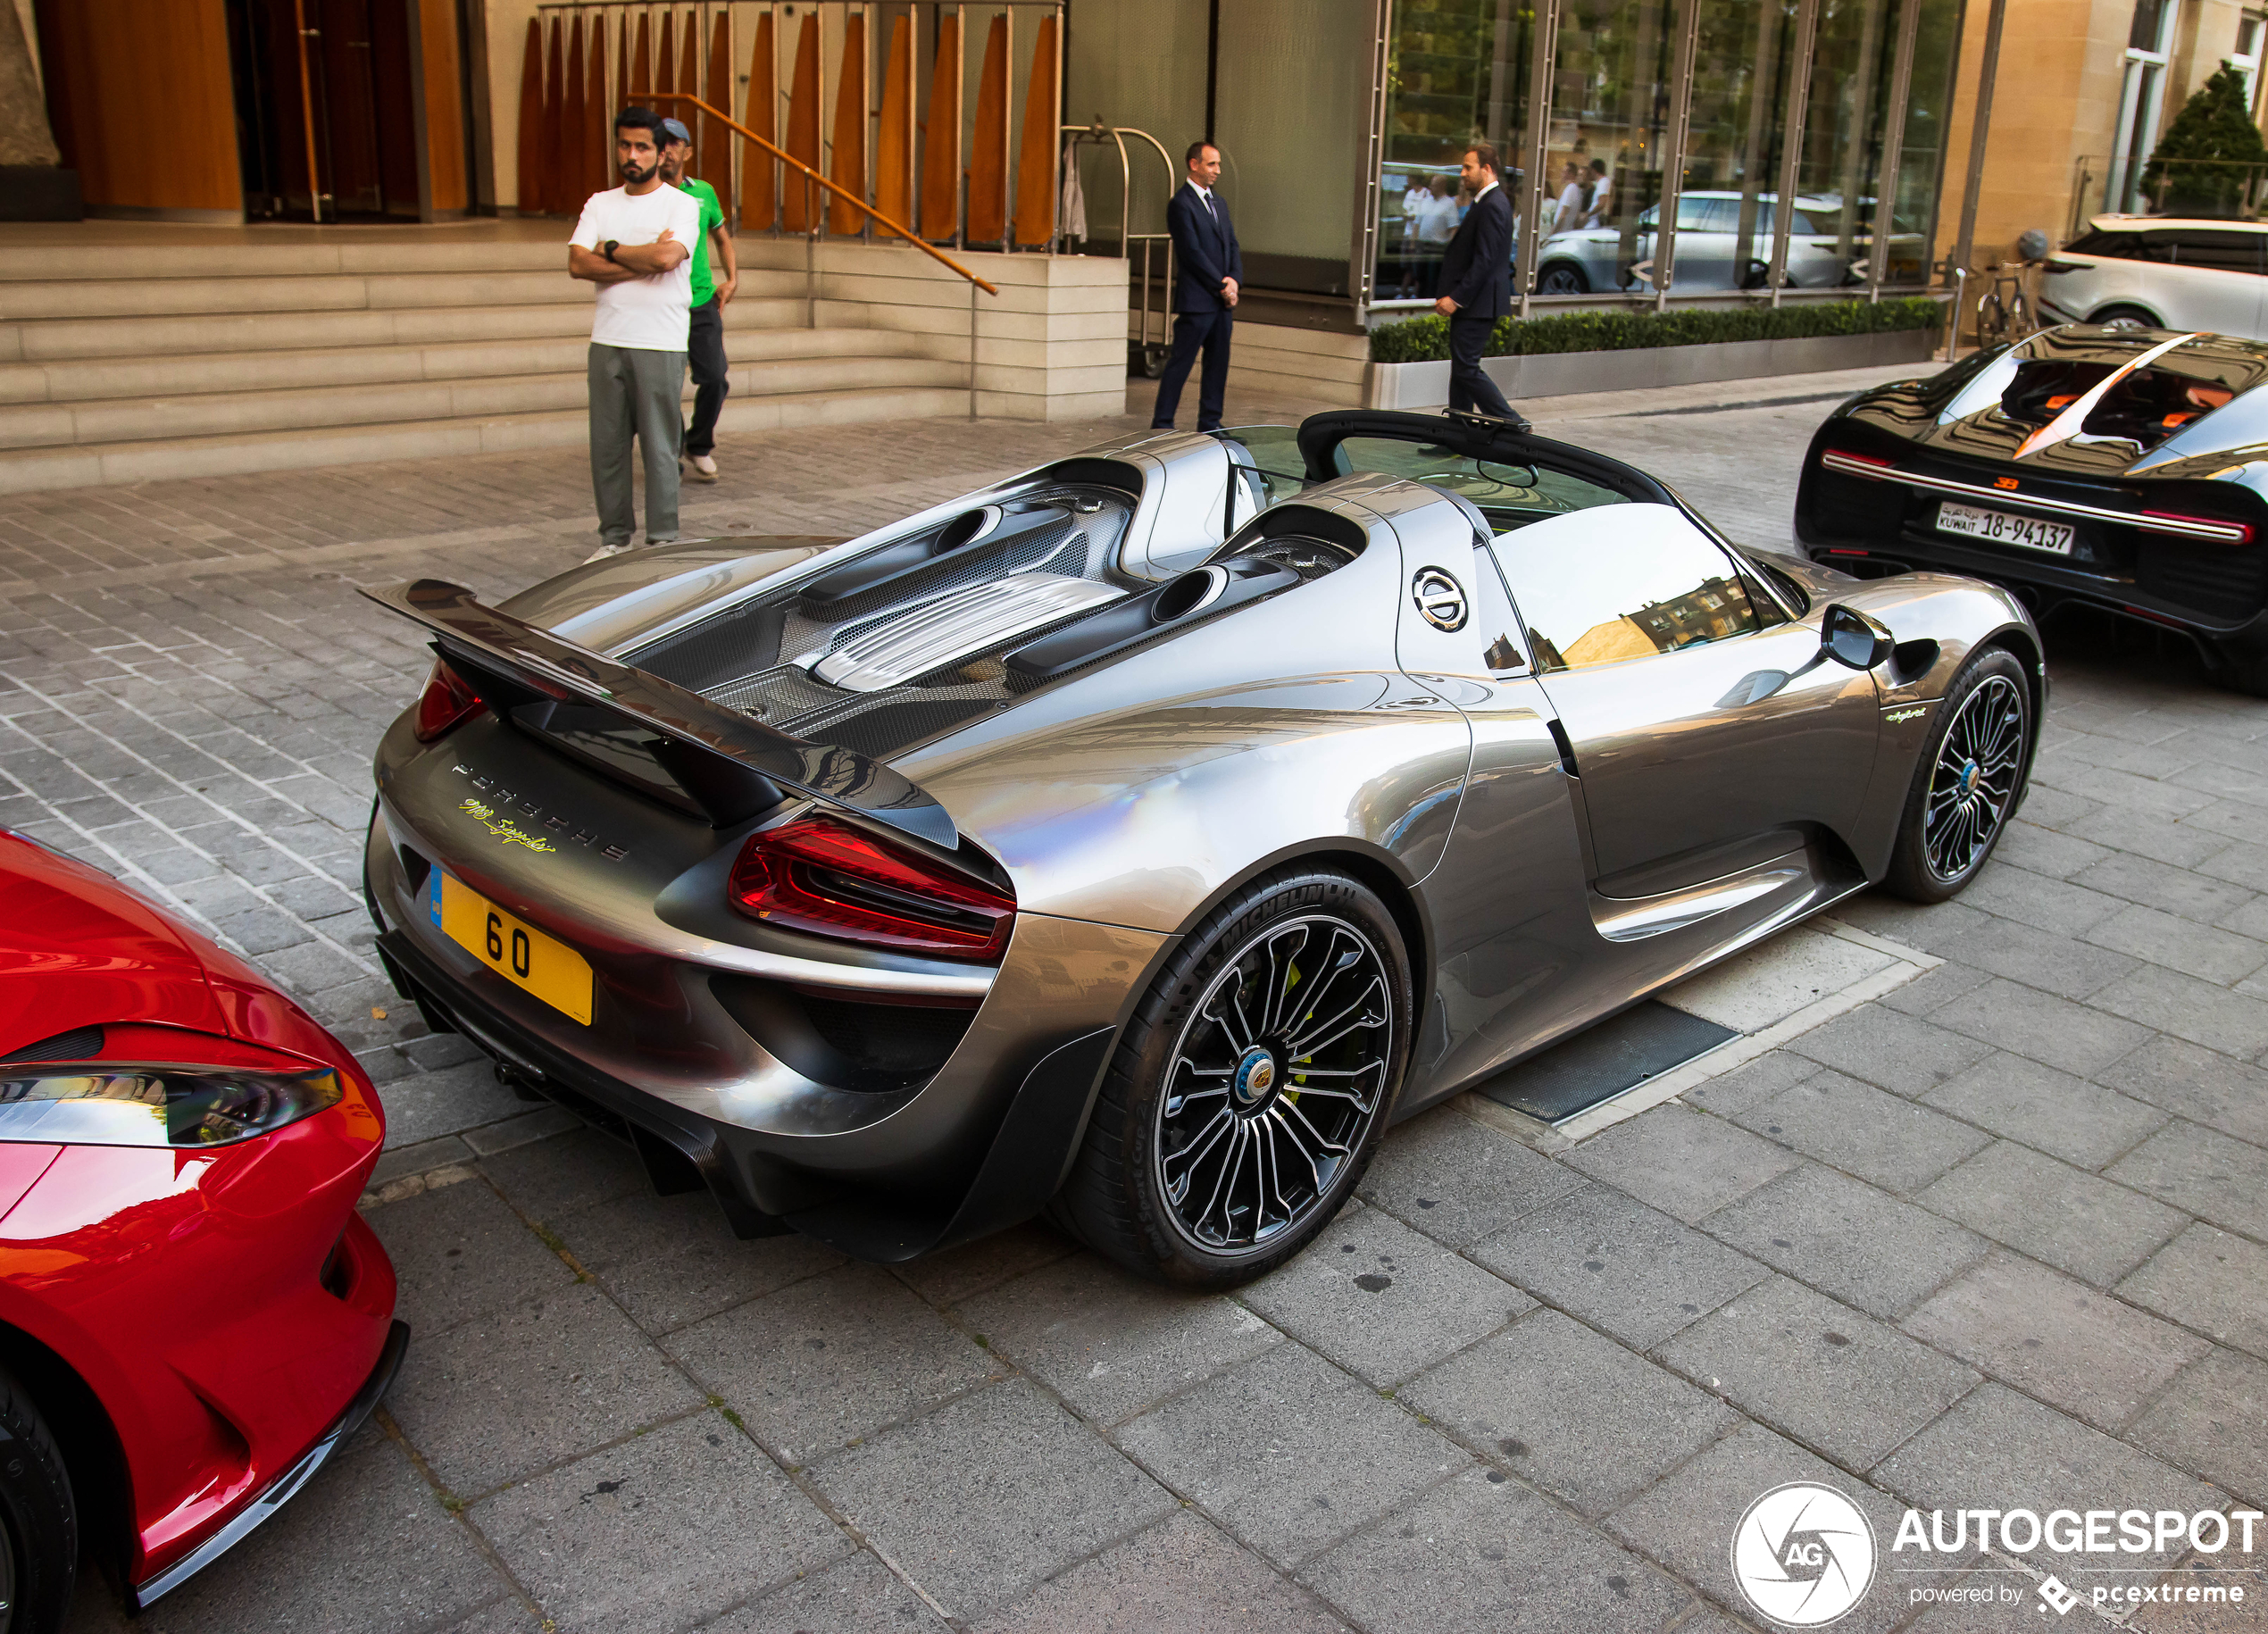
(1851, 638)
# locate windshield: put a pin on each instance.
(1510, 497)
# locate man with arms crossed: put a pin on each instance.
(1476, 284)
(635, 243)
(704, 351)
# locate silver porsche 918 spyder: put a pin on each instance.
(1137, 838)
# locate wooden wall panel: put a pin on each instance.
(555, 116)
(941, 147)
(989, 157)
(849, 171)
(894, 155)
(1036, 155)
(145, 102)
(759, 171)
(800, 204)
(713, 141)
(598, 120)
(530, 193)
(438, 45)
(574, 120)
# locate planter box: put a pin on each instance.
(1558, 374)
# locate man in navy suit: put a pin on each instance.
(1476, 284)
(1207, 268)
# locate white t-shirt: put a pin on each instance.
(646, 315)
(1571, 207)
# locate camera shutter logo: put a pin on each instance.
(1803, 1554)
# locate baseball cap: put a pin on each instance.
(676, 131)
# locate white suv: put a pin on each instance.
(2133, 272)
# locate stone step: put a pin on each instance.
(123, 297)
(28, 470)
(524, 250)
(98, 379)
(55, 339)
(128, 420)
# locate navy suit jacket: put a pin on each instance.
(1476, 269)
(1205, 250)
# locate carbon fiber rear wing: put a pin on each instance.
(554, 668)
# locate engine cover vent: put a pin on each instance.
(893, 650)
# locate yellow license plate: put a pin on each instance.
(517, 951)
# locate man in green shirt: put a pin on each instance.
(705, 343)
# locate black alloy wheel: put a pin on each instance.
(39, 1520)
(1278, 1074)
(1248, 1092)
(2127, 318)
(1562, 278)
(1967, 784)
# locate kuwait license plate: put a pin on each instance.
(520, 953)
(2002, 529)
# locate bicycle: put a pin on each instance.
(2003, 311)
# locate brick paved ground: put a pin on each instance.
(1999, 1239)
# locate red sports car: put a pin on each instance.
(193, 1317)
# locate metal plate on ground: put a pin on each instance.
(1600, 1062)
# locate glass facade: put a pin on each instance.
(1646, 154)
(1841, 102)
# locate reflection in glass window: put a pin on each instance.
(1841, 157)
(1622, 596)
(1608, 140)
(1457, 70)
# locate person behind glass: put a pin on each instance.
(1437, 224)
(1574, 200)
(1207, 268)
(1476, 284)
(1601, 189)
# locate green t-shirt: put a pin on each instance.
(705, 288)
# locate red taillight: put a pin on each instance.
(1855, 464)
(446, 702)
(2213, 530)
(829, 878)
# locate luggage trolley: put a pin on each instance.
(1144, 355)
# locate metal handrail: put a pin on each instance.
(848, 197)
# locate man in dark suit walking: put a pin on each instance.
(1476, 284)
(1207, 268)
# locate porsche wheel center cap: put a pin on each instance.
(1255, 1077)
(1970, 773)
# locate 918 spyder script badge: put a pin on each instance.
(507, 829)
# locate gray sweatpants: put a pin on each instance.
(635, 393)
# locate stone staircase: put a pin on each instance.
(169, 360)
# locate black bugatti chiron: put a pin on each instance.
(2124, 470)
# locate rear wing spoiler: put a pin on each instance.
(542, 663)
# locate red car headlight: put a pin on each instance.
(831, 879)
(115, 1104)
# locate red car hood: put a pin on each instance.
(77, 949)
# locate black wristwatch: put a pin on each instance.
(608, 248)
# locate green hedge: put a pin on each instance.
(1426, 339)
